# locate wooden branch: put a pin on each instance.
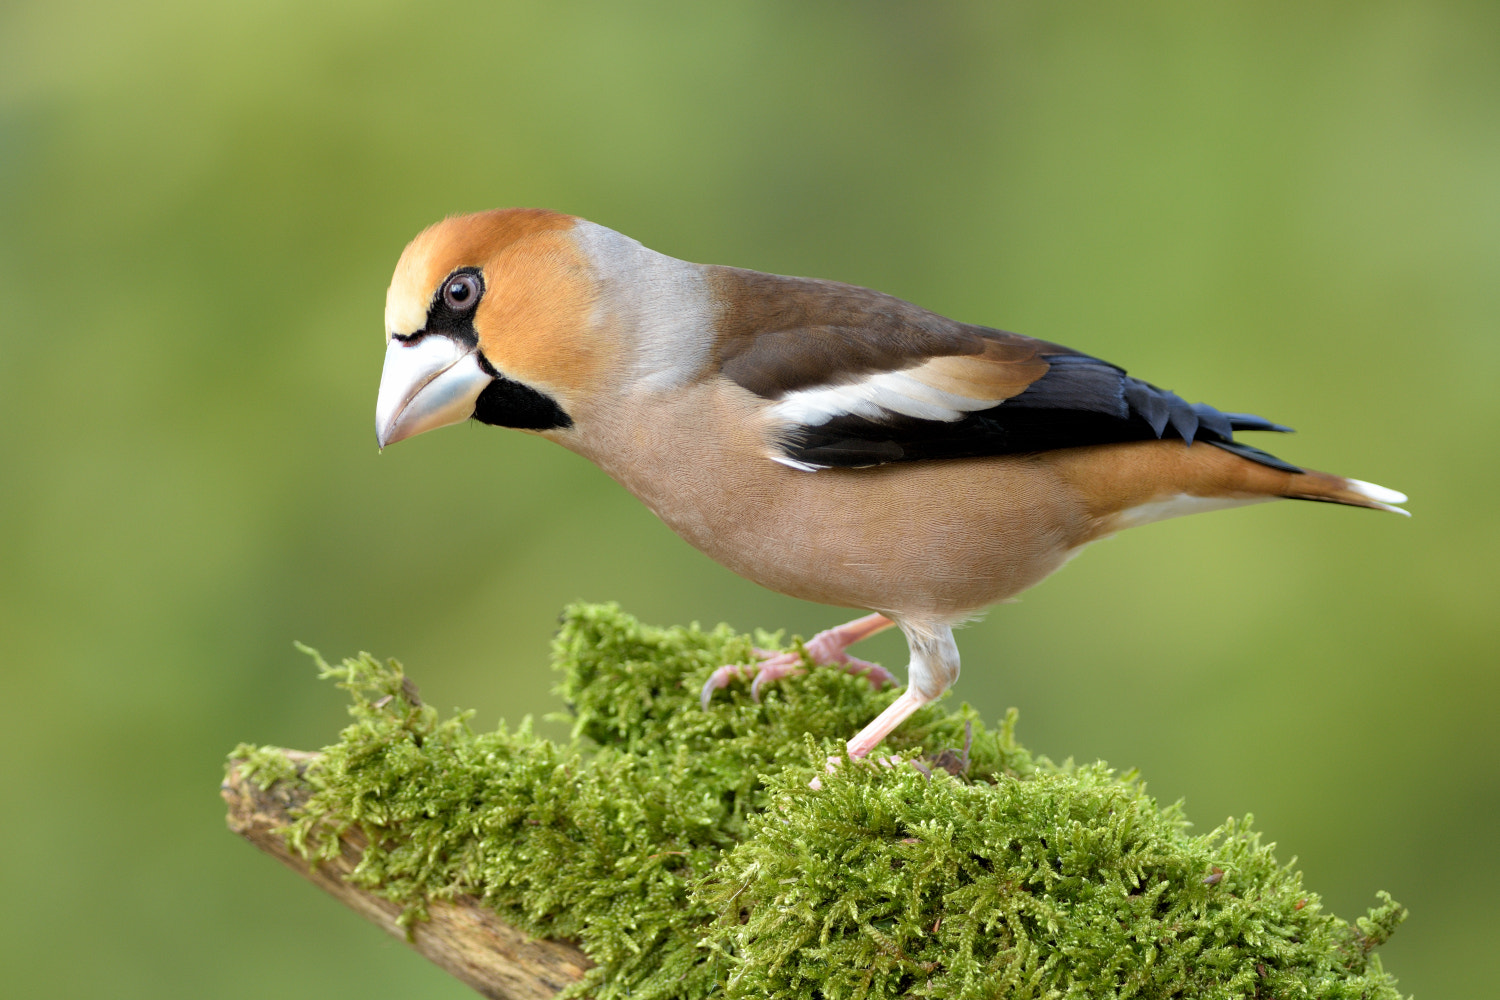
(463, 937)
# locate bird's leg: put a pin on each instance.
(934, 668)
(825, 647)
(897, 712)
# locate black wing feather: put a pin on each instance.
(1081, 400)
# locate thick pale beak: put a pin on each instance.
(431, 382)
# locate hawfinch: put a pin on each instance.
(827, 441)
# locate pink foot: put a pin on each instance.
(825, 647)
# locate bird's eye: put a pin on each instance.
(461, 291)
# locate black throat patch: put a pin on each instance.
(508, 403)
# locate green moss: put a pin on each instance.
(686, 853)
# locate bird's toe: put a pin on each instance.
(778, 666)
(718, 679)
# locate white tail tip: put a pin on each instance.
(1376, 492)
(1380, 495)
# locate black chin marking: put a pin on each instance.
(508, 403)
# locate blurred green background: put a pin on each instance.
(1285, 208)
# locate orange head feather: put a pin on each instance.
(533, 322)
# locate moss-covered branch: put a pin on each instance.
(685, 853)
(463, 937)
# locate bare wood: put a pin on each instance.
(463, 937)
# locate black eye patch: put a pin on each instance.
(452, 311)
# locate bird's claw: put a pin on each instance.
(829, 647)
(718, 679)
(774, 666)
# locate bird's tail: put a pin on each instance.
(1272, 476)
(1144, 481)
(1310, 484)
(1259, 477)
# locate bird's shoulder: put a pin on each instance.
(778, 335)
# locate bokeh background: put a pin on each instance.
(1286, 208)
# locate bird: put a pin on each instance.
(827, 441)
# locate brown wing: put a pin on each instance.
(860, 378)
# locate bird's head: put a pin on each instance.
(488, 316)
